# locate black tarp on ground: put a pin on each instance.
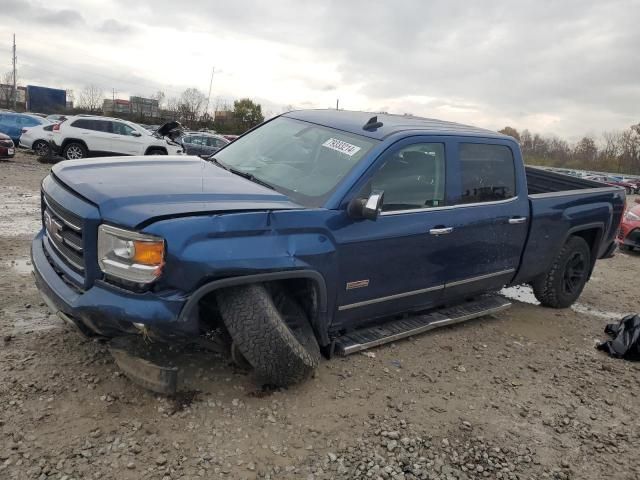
(626, 338)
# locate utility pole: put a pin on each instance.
(14, 92)
(206, 110)
(337, 104)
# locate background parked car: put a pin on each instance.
(231, 138)
(629, 233)
(12, 124)
(56, 118)
(93, 136)
(37, 138)
(202, 144)
(7, 149)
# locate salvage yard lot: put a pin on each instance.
(522, 394)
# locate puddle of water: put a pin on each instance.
(19, 212)
(21, 266)
(524, 294)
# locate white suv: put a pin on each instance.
(92, 136)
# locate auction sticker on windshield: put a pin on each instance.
(341, 146)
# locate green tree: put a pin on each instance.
(246, 114)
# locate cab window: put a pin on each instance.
(487, 173)
(412, 178)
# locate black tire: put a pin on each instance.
(156, 151)
(74, 151)
(561, 286)
(272, 332)
(41, 148)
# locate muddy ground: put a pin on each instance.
(522, 394)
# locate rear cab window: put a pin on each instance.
(487, 173)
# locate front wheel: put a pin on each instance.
(561, 286)
(156, 151)
(272, 332)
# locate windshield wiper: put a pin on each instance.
(250, 176)
(218, 162)
(240, 173)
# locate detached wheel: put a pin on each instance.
(561, 286)
(74, 151)
(272, 332)
(41, 148)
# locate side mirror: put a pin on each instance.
(136, 134)
(368, 208)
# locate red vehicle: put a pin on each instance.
(7, 149)
(629, 233)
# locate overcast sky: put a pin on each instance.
(568, 67)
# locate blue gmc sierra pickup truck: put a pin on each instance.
(317, 232)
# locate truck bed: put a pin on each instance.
(560, 205)
(543, 181)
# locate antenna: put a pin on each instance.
(372, 124)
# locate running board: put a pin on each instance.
(370, 337)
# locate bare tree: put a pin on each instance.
(91, 98)
(159, 96)
(6, 90)
(191, 102)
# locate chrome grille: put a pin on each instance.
(64, 234)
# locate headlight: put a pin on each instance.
(131, 256)
(632, 216)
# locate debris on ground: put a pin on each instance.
(626, 338)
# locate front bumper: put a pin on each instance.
(107, 310)
(630, 237)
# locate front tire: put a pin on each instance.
(561, 286)
(272, 332)
(74, 151)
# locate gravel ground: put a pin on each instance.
(519, 395)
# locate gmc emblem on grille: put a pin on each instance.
(53, 227)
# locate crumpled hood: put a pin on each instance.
(130, 191)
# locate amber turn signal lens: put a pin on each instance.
(148, 253)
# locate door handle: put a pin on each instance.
(517, 220)
(441, 231)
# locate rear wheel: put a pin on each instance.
(561, 286)
(74, 151)
(41, 148)
(272, 332)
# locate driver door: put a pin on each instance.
(397, 262)
(125, 140)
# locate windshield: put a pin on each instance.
(303, 160)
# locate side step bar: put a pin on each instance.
(391, 331)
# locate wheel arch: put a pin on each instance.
(318, 321)
(591, 233)
(67, 141)
(155, 147)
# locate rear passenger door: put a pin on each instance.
(96, 134)
(489, 217)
